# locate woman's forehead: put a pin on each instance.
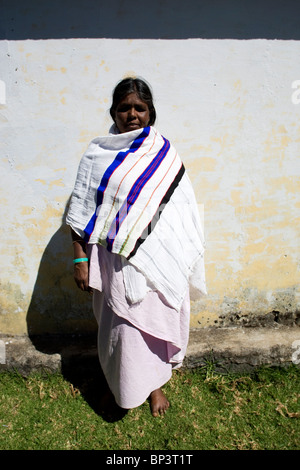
(132, 98)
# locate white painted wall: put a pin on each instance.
(231, 107)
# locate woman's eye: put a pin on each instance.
(122, 109)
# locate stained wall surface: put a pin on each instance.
(231, 106)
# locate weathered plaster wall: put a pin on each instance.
(230, 108)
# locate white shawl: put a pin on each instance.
(133, 196)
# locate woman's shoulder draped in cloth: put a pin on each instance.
(133, 196)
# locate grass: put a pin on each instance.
(209, 411)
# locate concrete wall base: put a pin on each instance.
(226, 349)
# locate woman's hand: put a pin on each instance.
(81, 276)
(81, 269)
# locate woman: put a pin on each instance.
(138, 247)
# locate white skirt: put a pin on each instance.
(138, 344)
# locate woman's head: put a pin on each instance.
(132, 105)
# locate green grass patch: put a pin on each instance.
(209, 411)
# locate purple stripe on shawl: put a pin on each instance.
(134, 193)
(121, 156)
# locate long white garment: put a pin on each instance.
(134, 363)
(138, 344)
(133, 196)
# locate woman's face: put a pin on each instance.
(132, 113)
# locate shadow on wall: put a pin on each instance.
(57, 306)
(60, 320)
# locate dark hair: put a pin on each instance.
(133, 85)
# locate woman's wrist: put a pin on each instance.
(80, 260)
(79, 246)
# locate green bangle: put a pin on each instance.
(80, 260)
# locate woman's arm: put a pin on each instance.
(81, 270)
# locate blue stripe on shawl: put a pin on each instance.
(134, 193)
(121, 156)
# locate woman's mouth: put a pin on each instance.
(132, 125)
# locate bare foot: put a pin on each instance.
(158, 402)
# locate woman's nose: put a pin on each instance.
(132, 112)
